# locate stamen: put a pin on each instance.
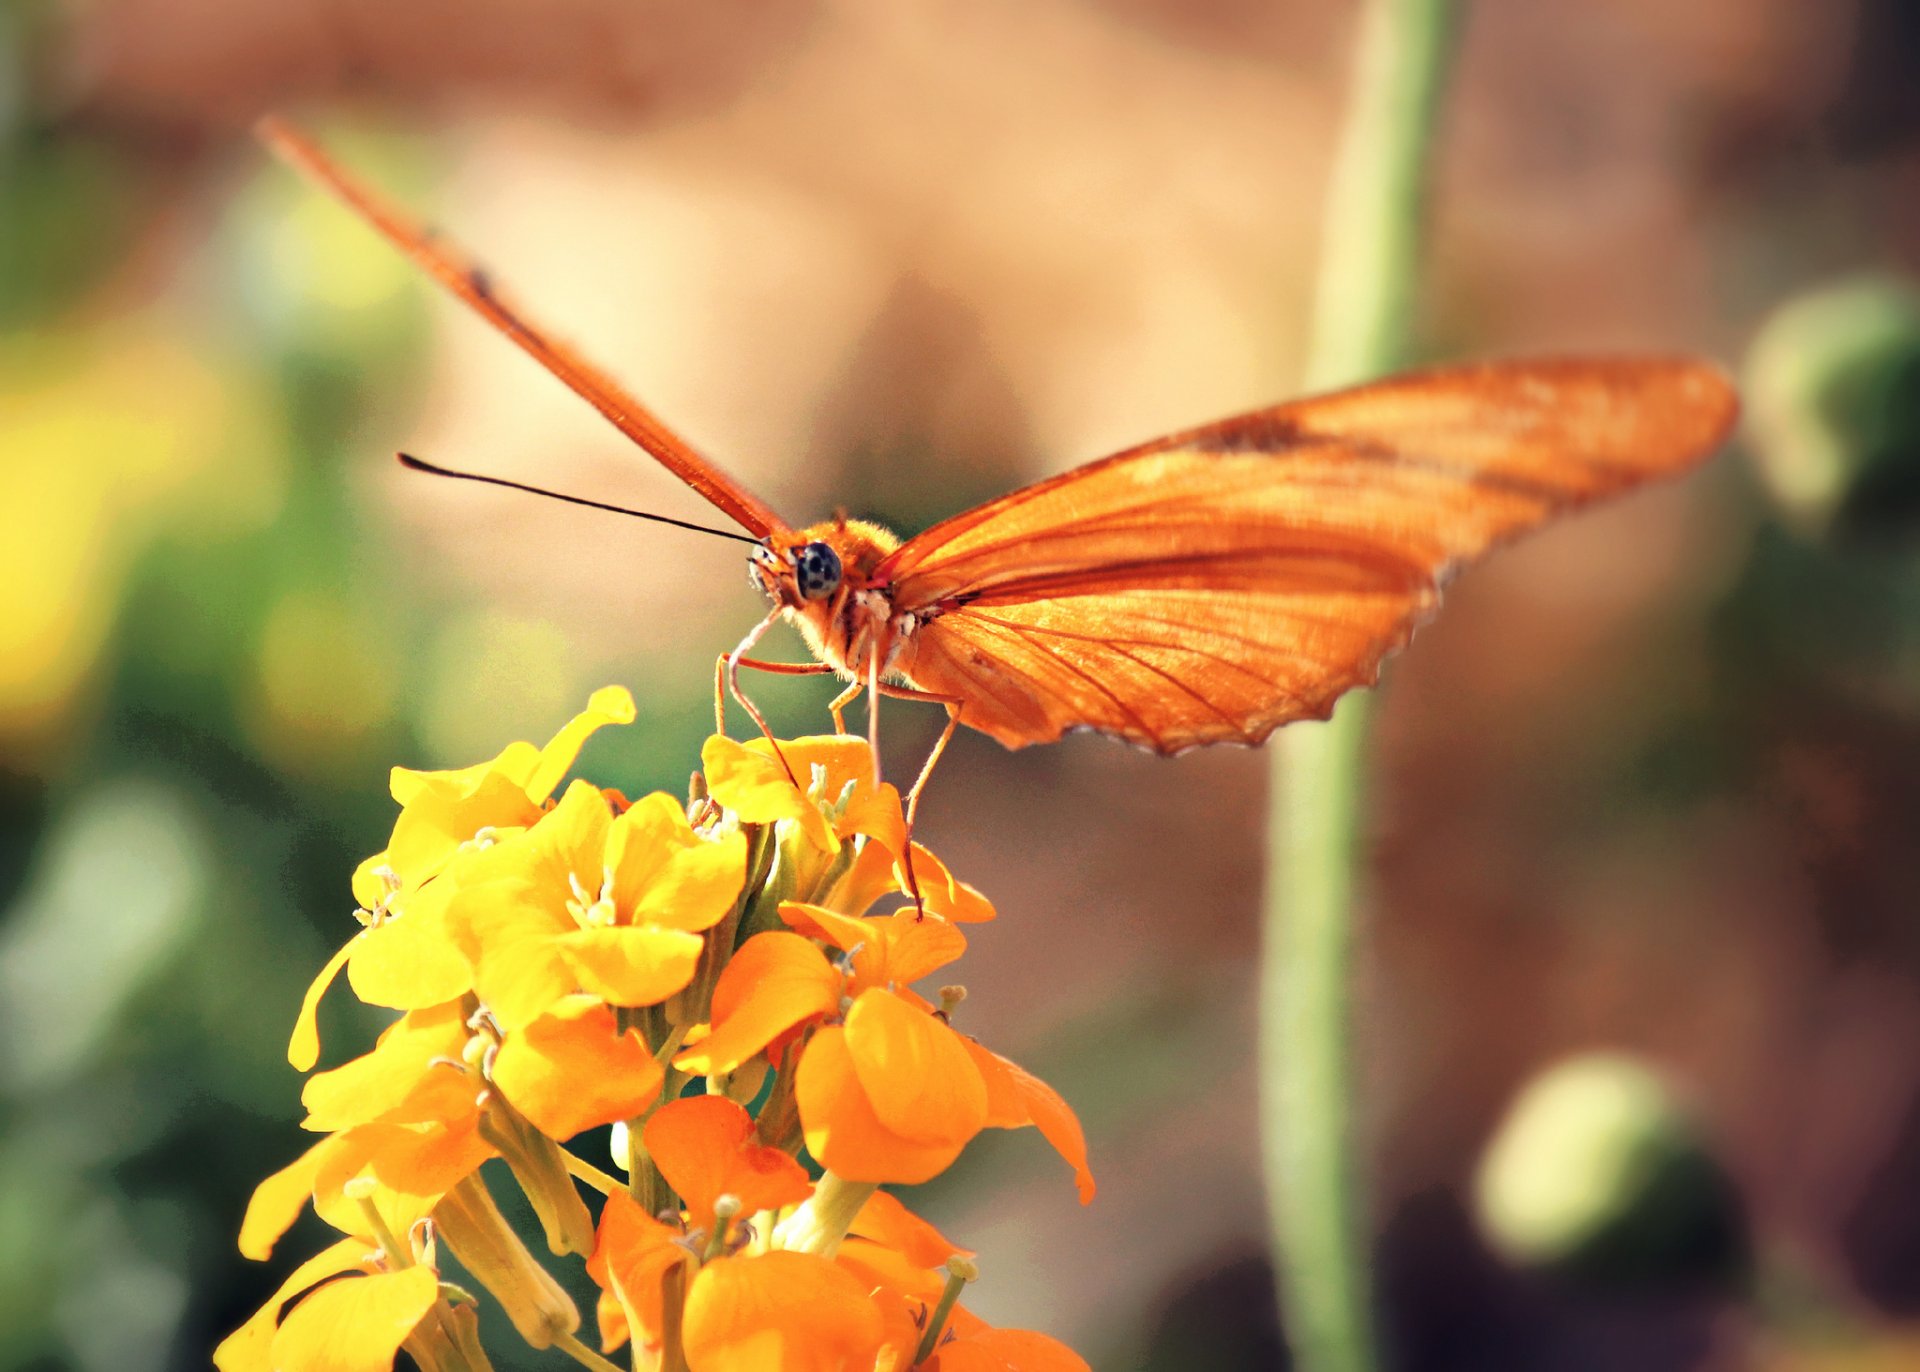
(959, 1272)
(592, 911)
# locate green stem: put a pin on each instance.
(1363, 298)
(960, 1271)
(823, 1220)
(585, 1356)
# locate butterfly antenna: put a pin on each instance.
(416, 464)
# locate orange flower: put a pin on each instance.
(584, 901)
(441, 811)
(570, 1070)
(893, 1094)
(1003, 1350)
(774, 983)
(779, 1312)
(778, 981)
(840, 801)
(703, 1146)
(632, 1254)
(885, 1221)
(1017, 1098)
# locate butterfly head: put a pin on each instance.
(819, 576)
(810, 566)
(796, 575)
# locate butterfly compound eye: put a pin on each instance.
(816, 569)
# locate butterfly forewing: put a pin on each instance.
(474, 288)
(1218, 583)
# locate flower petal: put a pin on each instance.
(945, 894)
(569, 1070)
(1005, 1350)
(845, 932)
(915, 1070)
(355, 1324)
(625, 966)
(439, 818)
(665, 873)
(568, 844)
(278, 1201)
(842, 1131)
(1018, 1098)
(514, 762)
(409, 960)
(879, 1267)
(512, 938)
(631, 1253)
(426, 1159)
(751, 783)
(303, 1049)
(874, 874)
(773, 982)
(357, 1156)
(608, 705)
(703, 1146)
(779, 1312)
(877, 813)
(250, 1347)
(399, 1079)
(888, 950)
(886, 1221)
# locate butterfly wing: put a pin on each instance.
(471, 285)
(1215, 584)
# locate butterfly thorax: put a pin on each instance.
(823, 577)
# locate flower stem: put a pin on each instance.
(1363, 298)
(823, 1220)
(960, 1271)
(644, 1182)
(673, 1302)
(582, 1170)
(570, 1345)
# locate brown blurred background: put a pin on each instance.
(1648, 785)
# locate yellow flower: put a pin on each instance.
(561, 965)
(442, 814)
(840, 806)
(585, 901)
(355, 1322)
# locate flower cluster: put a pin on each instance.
(707, 978)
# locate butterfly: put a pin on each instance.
(1205, 587)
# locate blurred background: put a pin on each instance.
(1640, 1026)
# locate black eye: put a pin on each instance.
(816, 570)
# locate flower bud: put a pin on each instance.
(486, 1245)
(1833, 386)
(1598, 1174)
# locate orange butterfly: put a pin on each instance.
(1206, 587)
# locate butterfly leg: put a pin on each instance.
(873, 717)
(758, 665)
(926, 771)
(731, 665)
(839, 703)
